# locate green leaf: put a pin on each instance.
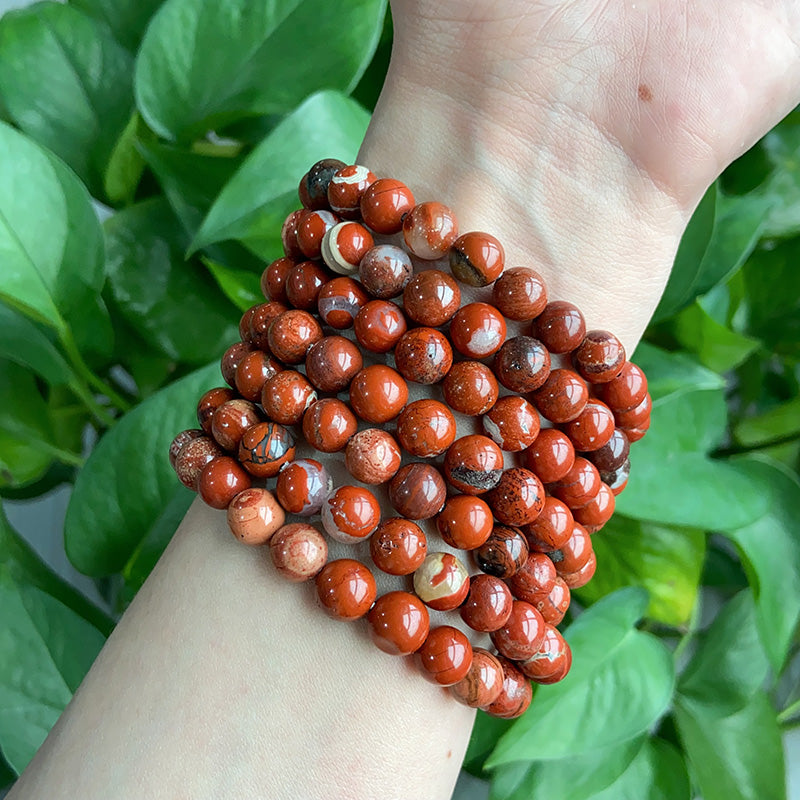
(127, 19)
(107, 517)
(486, 731)
(126, 163)
(620, 683)
(252, 206)
(666, 561)
(673, 373)
(241, 287)
(782, 147)
(67, 83)
(205, 64)
(778, 423)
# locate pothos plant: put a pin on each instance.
(183, 126)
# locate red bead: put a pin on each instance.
(346, 588)
(398, 623)
(551, 662)
(423, 355)
(515, 696)
(193, 457)
(287, 396)
(244, 324)
(350, 514)
(625, 391)
(425, 428)
(346, 189)
(230, 360)
(254, 515)
(488, 604)
(429, 230)
(579, 485)
(634, 434)
(372, 456)
(231, 420)
(345, 245)
(592, 428)
(311, 230)
(477, 330)
(303, 284)
(379, 326)
(289, 235)
(562, 396)
(522, 634)
(483, 682)
(378, 393)
(398, 547)
(470, 388)
(512, 423)
(442, 581)
(534, 580)
(328, 425)
(313, 189)
(637, 416)
(291, 335)
(473, 464)
(522, 364)
(613, 454)
(600, 357)
(560, 327)
(617, 479)
(332, 362)
(273, 279)
(555, 606)
(303, 486)
(265, 448)
(385, 271)
(503, 553)
(551, 529)
(209, 403)
(519, 294)
(465, 522)
(575, 552)
(518, 498)
(431, 298)
(597, 511)
(259, 321)
(183, 438)
(339, 301)
(221, 480)
(384, 204)
(299, 551)
(477, 259)
(446, 656)
(253, 371)
(417, 491)
(551, 456)
(580, 578)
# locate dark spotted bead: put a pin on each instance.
(503, 553)
(617, 479)
(313, 189)
(522, 364)
(473, 464)
(265, 448)
(600, 357)
(612, 455)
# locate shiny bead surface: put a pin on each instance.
(265, 448)
(231, 420)
(339, 301)
(477, 330)
(384, 204)
(483, 682)
(253, 371)
(328, 425)
(522, 364)
(597, 511)
(476, 258)
(503, 553)
(465, 522)
(560, 327)
(592, 428)
(625, 391)
(582, 576)
(429, 229)
(378, 393)
(470, 388)
(385, 271)
(442, 581)
(372, 456)
(488, 604)
(244, 324)
(600, 357)
(398, 547)
(446, 656)
(346, 588)
(473, 464)
(230, 360)
(221, 480)
(259, 321)
(522, 634)
(634, 434)
(287, 396)
(345, 245)
(303, 284)
(254, 515)
(299, 551)
(534, 580)
(311, 230)
(417, 491)
(562, 396)
(346, 188)
(515, 696)
(273, 279)
(613, 454)
(193, 457)
(303, 486)
(289, 235)
(551, 456)
(332, 362)
(313, 189)
(379, 326)
(579, 485)
(350, 514)
(637, 416)
(551, 529)
(183, 438)
(291, 335)
(512, 423)
(426, 428)
(555, 606)
(574, 553)
(551, 662)
(431, 298)
(209, 403)
(617, 479)
(519, 294)
(398, 623)
(423, 355)
(518, 498)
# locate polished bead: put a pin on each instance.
(534, 580)
(503, 553)
(426, 428)
(442, 581)
(372, 456)
(346, 188)
(398, 547)
(253, 371)
(515, 696)
(575, 552)
(519, 294)
(339, 301)
(311, 230)
(423, 355)
(518, 498)
(273, 279)
(265, 448)
(522, 364)
(328, 425)
(636, 433)
(385, 271)
(259, 322)
(350, 514)
(522, 634)
(313, 189)
(483, 682)
(512, 423)
(592, 428)
(597, 511)
(303, 486)
(378, 393)
(551, 529)
(560, 327)
(244, 324)
(221, 480)
(299, 551)
(398, 623)
(477, 330)
(635, 417)
(291, 335)
(384, 204)
(617, 479)
(254, 515)
(417, 491)
(613, 454)
(473, 464)
(210, 402)
(470, 388)
(625, 391)
(193, 457)
(579, 485)
(303, 284)
(184, 437)
(488, 603)
(287, 396)
(231, 420)
(465, 522)
(429, 229)
(562, 396)
(555, 605)
(345, 245)
(431, 298)
(551, 662)
(446, 656)
(551, 456)
(230, 360)
(332, 362)
(379, 326)
(289, 235)
(600, 357)
(346, 588)
(582, 576)
(476, 258)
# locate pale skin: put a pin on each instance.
(581, 133)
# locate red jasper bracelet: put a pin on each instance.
(328, 360)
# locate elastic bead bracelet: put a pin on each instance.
(351, 318)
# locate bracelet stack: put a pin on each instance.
(558, 403)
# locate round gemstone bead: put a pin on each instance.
(244, 324)
(551, 662)
(311, 230)
(287, 396)
(291, 334)
(625, 391)
(477, 259)
(445, 656)
(600, 357)
(379, 326)
(313, 189)
(483, 682)
(551, 456)
(579, 485)
(534, 580)
(372, 456)
(350, 514)
(488, 604)
(597, 511)
(193, 457)
(636, 433)
(265, 448)
(417, 491)
(345, 245)
(346, 588)
(378, 393)
(512, 423)
(429, 229)
(253, 371)
(254, 515)
(562, 396)
(560, 327)
(477, 330)
(230, 360)
(332, 362)
(613, 454)
(289, 235)
(183, 438)
(299, 551)
(398, 623)
(273, 279)
(442, 581)
(425, 428)
(575, 552)
(423, 355)
(328, 425)
(398, 547)
(209, 403)
(518, 498)
(522, 634)
(522, 364)
(635, 417)
(384, 204)
(221, 480)
(431, 298)
(473, 464)
(519, 294)
(304, 282)
(555, 606)
(231, 420)
(385, 271)
(346, 188)
(465, 522)
(551, 529)
(592, 428)
(339, 302)
(303, 486)
(470, 388)
(617, 479)
(258, 323)
(515, 696)
(503, 553)
(580, 578)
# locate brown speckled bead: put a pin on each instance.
(522, 634)
(311, 230)
(289, 235)
(522, 364)
(231, 420)
(592, 428)
(313, 189)
(613, 454)
(291, 335)
(372, 456)
(339, 301)
(328, 425)
(346, 588)
(244, 324)
(210, 402)
(534, 580)
(193, 457)
(575, 552)
(398, 547)
(465, 522)
(286, 397)
(431, 298)
(551, 662)
(379, 326)
(429, 230)
(230, 360)
(303, 486)
(273, 279)
(259, 321)
(221, 480)
(350, 514)
(579, 485)
(378, 393)
(346, 188)
(560, 327)
(625, 391)
(556, 604)
(551, 529)
(562, 396)
(441, 581)
(477, 259)
(253, 371)
(184, 437)
(551, 456)
(488, 604)
(617, 479)
(518, 498)
(637, 416)
(426, 428)
(473, 464)
(597, 511)
(423, 355)
(299, 551)
(446, 656)
(470, 388)
(332, 362)
(477, 330)
(512, 423)
(265, 448)
(503, 553)
(515, 696)
(385, 271)
(580, 578)
(303, 284)
(417, 491)
(519, 294)
(345, 245)
(254, 515)
(398, 623)
(384, 204)
(600, 357)
(483, 682)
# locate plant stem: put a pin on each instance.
(785, 716)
